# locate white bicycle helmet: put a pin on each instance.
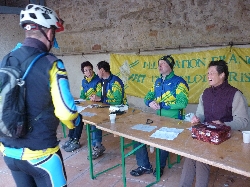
(42, 16)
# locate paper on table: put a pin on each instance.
(80, 100)
(80, 108)
(118, 107)
(124, 107)
(88, 114)
(89, 106)
(166, 129)
(188, 117)
(143, 127)
(166, 133)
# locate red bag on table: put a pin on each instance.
(211, 132)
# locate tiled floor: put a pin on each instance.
(77, 168)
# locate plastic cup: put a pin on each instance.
(246, 136)
(112, 118)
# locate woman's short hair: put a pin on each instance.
(84, 64)
(221, 67)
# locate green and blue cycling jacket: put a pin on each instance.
(171, 94)
(113, 92)
(91, 86)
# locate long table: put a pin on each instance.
(101, 116)
(231, 155)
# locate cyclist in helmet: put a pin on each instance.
(35, 159)
(37, 17)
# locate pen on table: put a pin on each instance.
(180, 122)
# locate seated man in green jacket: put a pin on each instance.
(112, 93)
(168, 96)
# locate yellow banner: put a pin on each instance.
(139, 72)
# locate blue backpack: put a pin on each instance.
(13, 115)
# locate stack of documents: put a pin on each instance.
(142, 127)
(166, 133)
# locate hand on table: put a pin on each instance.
(154, 105)
(94, 98)
(195, 119)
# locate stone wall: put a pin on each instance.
(10, 33)
(96, 28)
(129, 25)
(104, 26)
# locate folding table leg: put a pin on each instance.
(123, 161)
(90, 152)
(178, 160)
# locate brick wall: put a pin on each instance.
(10, 33)
(95, 28)
(128, 25)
